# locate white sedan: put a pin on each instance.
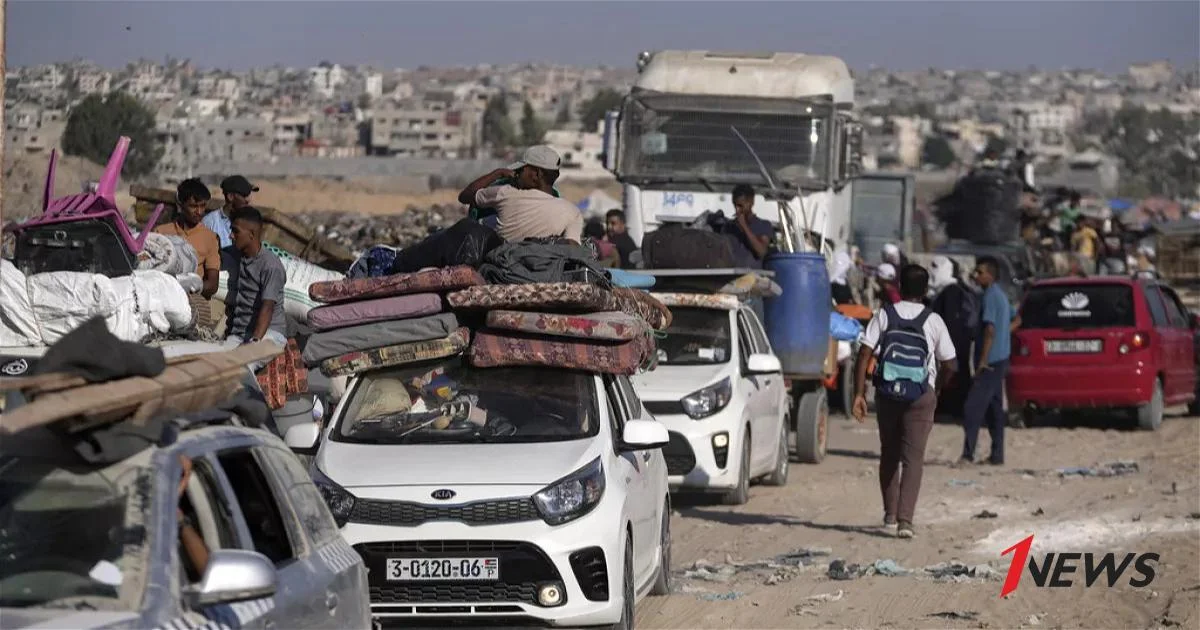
(720, 392)
(505, 495)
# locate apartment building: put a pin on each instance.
(187, 143)
(426, 130)
(32, 129)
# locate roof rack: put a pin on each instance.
(702, 281)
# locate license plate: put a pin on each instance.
(1073, 346)
(442, 569)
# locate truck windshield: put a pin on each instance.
(669, 139)
(449, 402)
(697, 336)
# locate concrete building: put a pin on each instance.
(580, 151)
(32, 129)
(374, 85)
(324, 80)
(94, 82)
(187, 143)
(289, 132)
(423, 131)
(1148, 76)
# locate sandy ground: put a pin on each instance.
(836, 506)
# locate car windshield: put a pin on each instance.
(697, 336)
(1078, 306)
(72, 536)
(448, 401)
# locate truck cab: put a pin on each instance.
(675, 142)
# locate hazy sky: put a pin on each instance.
(893, 34)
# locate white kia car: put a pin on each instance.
(719, 390)
(515, 496)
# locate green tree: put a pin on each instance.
(593, 111)
(564, 114)
(532, 127)
(937, 152)
(497, 126)
(96, 122)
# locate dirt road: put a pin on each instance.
(835, 507)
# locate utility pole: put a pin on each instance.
(3, 65)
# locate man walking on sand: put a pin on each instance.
(915, 358)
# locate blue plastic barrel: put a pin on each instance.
(797, 321)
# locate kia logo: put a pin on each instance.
(443, 494)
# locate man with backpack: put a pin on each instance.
(914, 359)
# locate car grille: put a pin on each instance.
(679, 455)
(377, 512)
(523, 568)
(664, 407)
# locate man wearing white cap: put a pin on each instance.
(885, 278)
(527, 208)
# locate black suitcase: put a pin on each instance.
(677, 247)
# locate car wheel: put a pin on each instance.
(812, 425)
(662, 583)
(627, 603)
(741, 494)
(779, 474)
(1021, 419)
(1149, 415)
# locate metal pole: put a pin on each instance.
(3, 66)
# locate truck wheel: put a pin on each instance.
(812, 425)
(1150, 415)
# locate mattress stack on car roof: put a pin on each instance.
(371, 323)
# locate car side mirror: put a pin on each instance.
(302, 438)
(643, 435)
(763, 364)
(233, 575)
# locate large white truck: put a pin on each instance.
(673, 146)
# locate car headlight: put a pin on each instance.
(340, 501)
(572, 496)
(710, 400)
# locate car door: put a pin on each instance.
(210, 504)
(269, 525)
(338, 567)
(634, 470)
(757, 397)
(774, 391)
(1183, 368)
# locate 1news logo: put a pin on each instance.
(1055, 569)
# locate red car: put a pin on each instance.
(1102, 342)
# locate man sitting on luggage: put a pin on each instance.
(751, 236)
(528, 208)
(237, 190)
(192, 198)
(254, 304)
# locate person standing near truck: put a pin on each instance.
(750, 236)
(915, 358)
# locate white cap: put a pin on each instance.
(891, 252)
(540, 156)
(885, 272)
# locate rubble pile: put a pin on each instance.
(357, 231)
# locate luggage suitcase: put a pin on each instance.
(677, 247)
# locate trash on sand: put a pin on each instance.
(1039, 512)
(687, 589)
(826, 597)
(961, 483)
(798, 556)
(1114, 469)
(1194, 515)
(783, 567)
(839, 570)
(959, 572)
(986, 514)
(721, 597)
(1034, 620)
(967, 615)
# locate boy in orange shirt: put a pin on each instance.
(193, 198)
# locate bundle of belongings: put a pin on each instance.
(538, 302)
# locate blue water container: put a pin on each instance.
(798, 320)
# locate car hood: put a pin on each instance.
(537, 464)
(673, 382)
(31, 618)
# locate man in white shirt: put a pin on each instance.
(904, 426)
(527, 208)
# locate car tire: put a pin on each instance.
(1150, 415)
(812, 427)
(741, 494)
(627, 594)
(1022, 419)
(779, 473)
(662, 582)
